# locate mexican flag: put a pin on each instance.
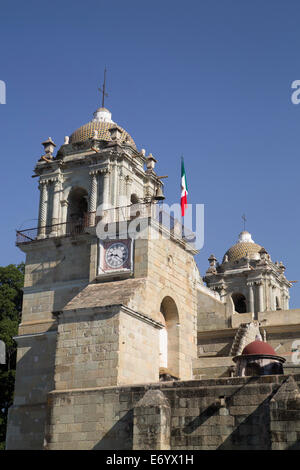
(184, 189)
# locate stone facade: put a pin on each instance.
(93, 345)
(249, 413)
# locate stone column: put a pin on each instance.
(105, 198)
(64, 216)
(287, 306)
(56, 204)
(128, 183)
(93, 198)
(43, 187)
(271, 302)
(251, 297)
(113, 185)
(260, 296)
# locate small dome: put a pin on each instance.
(101, 123)
(259, 347)
(245, 247)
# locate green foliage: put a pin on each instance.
(7, 383)
(11, 283)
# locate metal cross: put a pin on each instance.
(104, 94)
(245, 220)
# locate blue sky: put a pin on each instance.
(208, 79)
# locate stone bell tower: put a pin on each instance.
(99, 311)
(249, 278)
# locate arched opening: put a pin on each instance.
(239, 301)
(252, 369)
(134, 200)
(77, 209)
(169, 337)
(278, 304)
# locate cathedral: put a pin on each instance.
(123, 344)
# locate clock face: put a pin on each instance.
(116, 255)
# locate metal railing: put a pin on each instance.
(114, 214)
(63, 229)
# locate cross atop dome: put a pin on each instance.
(104, 94)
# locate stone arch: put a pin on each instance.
(77, 207)
(240, 303)
(134, 206)
(169, 336)
(134, 199)
(252, 369)
(277, 301)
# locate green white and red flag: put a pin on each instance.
(184, 189)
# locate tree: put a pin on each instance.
(11, 283)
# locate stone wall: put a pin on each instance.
(34, 379)
(87, 348)
(56, 270)
(138, 351)
(230, 413)
(212, 313)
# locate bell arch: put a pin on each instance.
(169, 336)
(240, 304)
(77, 207)
(278, 307)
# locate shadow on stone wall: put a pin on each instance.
(120, 436)
(251, 432)
(34, 379)
(199, 420)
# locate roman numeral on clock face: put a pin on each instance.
(116, 255)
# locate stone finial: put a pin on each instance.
(49, 146)
(212, 265)
(281, 267)
(212, 261)
(115, 133)
(143, 152)
(67, 139)
(263, 254)
(150, 162)
(226, 259)
(95, 134)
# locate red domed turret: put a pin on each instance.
(258, 347)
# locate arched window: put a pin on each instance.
(77, 209)
(134, 199)
(278, 304)
(169, 336)
(252, 369)
(134, 211)
(239, 301)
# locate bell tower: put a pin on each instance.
(248, 277)
(95, 305)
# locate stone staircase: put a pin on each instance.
(246, 333)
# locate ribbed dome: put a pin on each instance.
(244, 248)
(259, 347)
(101, 123)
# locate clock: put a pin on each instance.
(116, 255)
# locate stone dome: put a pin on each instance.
(101, 123)
(245, 247)
(258, 347)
